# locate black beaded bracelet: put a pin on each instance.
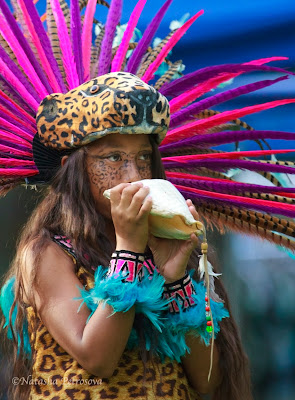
(181, 292)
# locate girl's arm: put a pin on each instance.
(97, 345)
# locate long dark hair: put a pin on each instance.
(69, 209)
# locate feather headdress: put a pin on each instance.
(35, 63)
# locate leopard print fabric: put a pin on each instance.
(57, 376)
(115, 102)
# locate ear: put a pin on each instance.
(63, 160)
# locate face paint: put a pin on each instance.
(117, 159)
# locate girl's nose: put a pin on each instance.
(132, 172)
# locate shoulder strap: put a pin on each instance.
(65, 243)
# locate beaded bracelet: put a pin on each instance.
(180, 294)
(128, 264)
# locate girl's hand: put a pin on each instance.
(171, 256)
(130, 210)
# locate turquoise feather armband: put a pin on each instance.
(185, 314)
(121, 294)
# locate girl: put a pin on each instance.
(120, 343)
(96, 307)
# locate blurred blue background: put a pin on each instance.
(260, 278)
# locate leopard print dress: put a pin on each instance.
(57, 376)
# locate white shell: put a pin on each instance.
(168, 203)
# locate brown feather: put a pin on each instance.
(152, 55)
(167, 77)
(223, 221)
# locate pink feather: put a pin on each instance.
(190, 129)
(14, 172)
(14, 162)
(122, 50)
(248, 201)
(20, 109)
(14, 151)
(193, 94)
(15, 129)
(65, 46)
(231, 155)
(8, 136)
(35, 39)
(17, 119)
(22, 58)
(149, 74)
(87, 37)
(12, 79)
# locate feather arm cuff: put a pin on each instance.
(146, 295)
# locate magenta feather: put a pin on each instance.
(212, 83)
(12, 24)
(113, 19)
(41, 43)
(15, 129)
(10, 105)
(11, 144)
(76, 38)
(146, 39)
(223, 165)
(149, 74)
(13, 150)
(65, 46)
(22, 58)
(87, 37)
(122, 50)
(12, 138)
(186, 98)
(14, 172)
(16, 122)
(186, 82)
(14, 77)
(202, 125)
(202, 196)
(14, 94)
(226, 186)
(195, 108)
(14, 162)
(214, 139)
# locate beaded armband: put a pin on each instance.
(127, 264)
(180, 294)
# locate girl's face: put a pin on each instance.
(115, 159)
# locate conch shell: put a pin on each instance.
(170, 216)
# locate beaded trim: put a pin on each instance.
(181, 292)
(128, 263)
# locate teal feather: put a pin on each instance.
(145, 295)
(6, 301)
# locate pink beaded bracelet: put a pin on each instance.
(180, 292)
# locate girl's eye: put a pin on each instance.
(145, 156)
(115, 157)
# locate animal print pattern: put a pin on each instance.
(115, 102)
(57, 376)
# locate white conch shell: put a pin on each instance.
(170, 216)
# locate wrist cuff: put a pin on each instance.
(127, 264)
(180, 294)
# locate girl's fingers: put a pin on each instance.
(128, 193)
(192, 209)
(139, 202)
(116, 192)
(146, 206)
